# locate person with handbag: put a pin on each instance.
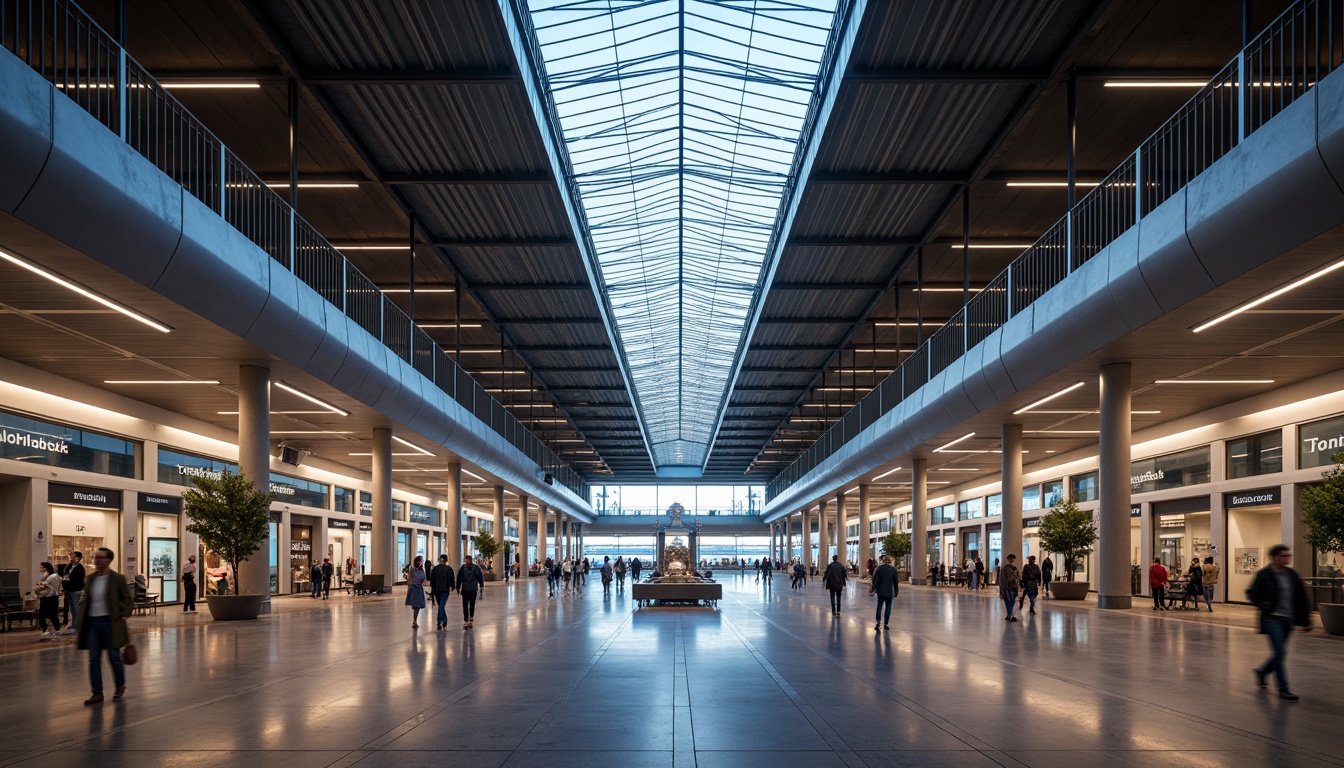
(102, 623)
(415, 590)
(189, 585)
(48, 591)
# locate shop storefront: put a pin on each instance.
(1181, 531)
(341, 548)
(1254, 524)
(82, 519)
(365, 547)
(300, 558)
(160, 520)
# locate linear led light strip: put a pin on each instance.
(412, 446)
(310, 398)
(160, 381)
(1048, 398)
(966, 436)
(1274, 294)
(1214, 381)
(85, 292)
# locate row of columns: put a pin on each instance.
(254, 460)
(1112, 555)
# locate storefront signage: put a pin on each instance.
(1136, 510)
(54, 445)
(1320, 441)
(366, 526)
(348, 525)
(1171, 521)
(1174, 470)
(1261, 498)
(150, 502)
(80, 496)
(1032, 522)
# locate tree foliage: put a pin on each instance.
(230, 515)
(1323, 509)
(486, 545)
(896, 545)
(1068, 530)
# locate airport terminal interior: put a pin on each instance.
(699, 327)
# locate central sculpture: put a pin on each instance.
(675, 580)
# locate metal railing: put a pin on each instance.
(1303, 45)
(59, 40)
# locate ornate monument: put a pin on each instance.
(675, 579)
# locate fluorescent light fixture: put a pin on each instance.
(223, 86)
(1086, 412)
(909, 323)
(160, 381)
(315, 185)
(469, 473)
(996, 246)
(85, 292)
(372, 247)
(278, 413)
(309, 432)
(881, 351)
(510, 390)
(1277, 292)
(412, 446)
(498, 372)
(394, 453)
(1155, 83)
(944, 290)
(418, 291)
(1214, 381)
(429, 326)
(542, 421)
(1048, 398)
(310, 398)
(966, 436)
(1064, 432)
(404, 469)
(1050, 184)
(958, 469)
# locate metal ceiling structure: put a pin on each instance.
(419, 112)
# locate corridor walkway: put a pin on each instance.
(769, 680)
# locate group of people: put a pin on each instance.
(1200, 580)
(320, 574)
(468, 581)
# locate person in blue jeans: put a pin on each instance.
(1009, 583)
(884, 585)
(102, 623)
(441, 585)
(1278, 592)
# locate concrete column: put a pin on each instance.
(919, 519)
(498, 560)
(559, 536)
(865, 522)
(840, 537)
(823, 534)
(1114, 486)
(524, 562)
(1012, 494)
(788, 539)
(1217, 533)
(382, 558)
(254, 460)
(453, 521)
(542, 554)
(1146, 546)
(807, 540)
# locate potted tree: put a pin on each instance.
(1323, 516)
(231, 516)
(1068, 530)
(487, 547)
(897, 547)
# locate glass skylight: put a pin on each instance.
(681, 119)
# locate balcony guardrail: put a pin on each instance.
(1304, 44)
(63, 44)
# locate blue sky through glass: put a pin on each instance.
(681, 119)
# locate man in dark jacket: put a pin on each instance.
(470, 583)
(328, 570)
(73, 584)
(1009, 583)
(1031, 581)
(1047, 574)
(635, 567)
(102, 623)
(441, 584)
(1277, 591)
(836, 576)
(885, 587)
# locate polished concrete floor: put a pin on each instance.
(770, 679)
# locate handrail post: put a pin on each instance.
(1138, 183)
(123, 105)
(1008, 281)
(223, 180)
(1241, 95)
(293, 247)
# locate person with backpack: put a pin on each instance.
(884, 585)
(1031, 581)
(470, 585)
(1210, 581)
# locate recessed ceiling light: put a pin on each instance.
(85, 292)
(1050, 183)
(308, 432)
(909, 323)
(917, 289)
(280, 413)
(418, 291)
(367, 453)
(160, 381)
(1048, 398)
(438, 326)
(310, 398)
(966, 436)
(1155, 83)
(1274, 294)
(373, 248)
(412, 446)
(1064, 432)
(315, 185)
(469, 473)
(1214, 381)
(221, 86)
(958, 469)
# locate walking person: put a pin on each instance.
(1194, 586)
(1157, 582)
(327, 572)
(48, 591)
(799, 575)
(1031, 581)
(978, 574)
(620, 573)
(415, 589)
(608, 573)
(102, 624)
(73, 584)
(767, 569)
(189, 585)
(635, 567)
(1047, 574)
(1210, 581)
(1277, 591)
(885, 586)
(1009, 582)
(441, 584)
(470, 584)
(315, 579)
(834, 580)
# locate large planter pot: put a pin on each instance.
(1332, 617)
(234, 607)
(1069, 590)
(490, 576)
